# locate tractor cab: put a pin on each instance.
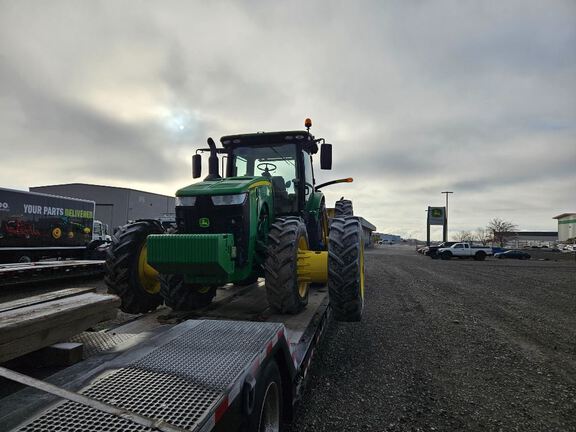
(283, 158)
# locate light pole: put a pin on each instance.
(446, 216)
(427, 229)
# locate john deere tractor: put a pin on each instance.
(265, 217)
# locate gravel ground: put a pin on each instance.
(450, 346)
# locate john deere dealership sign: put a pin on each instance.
(436, 215)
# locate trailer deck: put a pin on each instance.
(42, 271)
(196, 375)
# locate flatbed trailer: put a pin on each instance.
(232, 367)
(42, 271)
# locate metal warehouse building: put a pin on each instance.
(115, 206)
(566, 226)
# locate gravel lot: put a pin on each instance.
(450, 346)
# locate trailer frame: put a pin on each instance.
(238, 352)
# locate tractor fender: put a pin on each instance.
(263, 199)
(314, 202)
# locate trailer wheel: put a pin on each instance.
(346, 269)
(267, 413)
(343, 208)
(285, 293)
(181, 296)
(128, 274)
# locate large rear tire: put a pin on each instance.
(343, 208)
(180, 296)
(284, 292)
(127, 273)
(346, 269)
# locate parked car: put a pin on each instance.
(464, 250)
(432, 251)
(514, 254)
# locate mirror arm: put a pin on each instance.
(344, 180)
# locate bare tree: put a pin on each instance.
(501, 230)
(483, 235)
(463, 236)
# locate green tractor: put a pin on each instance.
(265, 218)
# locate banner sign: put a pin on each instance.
(436, 215)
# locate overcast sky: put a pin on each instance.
(418, 97)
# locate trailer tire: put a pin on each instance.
(346, 269)
(125, 264)
(343, 208)
(181, 296)
(285, 294)
(267, 412)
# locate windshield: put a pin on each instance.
(278, 163)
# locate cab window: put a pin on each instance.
(276, 163)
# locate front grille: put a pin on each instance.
(234, 219)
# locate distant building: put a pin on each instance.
(115, 206)
(389, 238)
(531, 238)
(566, 226)
(368, 229)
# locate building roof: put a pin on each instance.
(99, 186)
(563, 215)
(537, 233)
(366, 224)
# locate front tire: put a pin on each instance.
(127, 272)
(346, 269)
(181, 296)
(446, 255)
(284, 292)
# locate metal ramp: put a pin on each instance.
(186, 377)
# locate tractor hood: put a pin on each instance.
(225, 186)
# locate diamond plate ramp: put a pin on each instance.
(180, 381)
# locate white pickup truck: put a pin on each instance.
(465, 250)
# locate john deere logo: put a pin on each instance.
(204, 222)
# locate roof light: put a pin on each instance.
(308, 123)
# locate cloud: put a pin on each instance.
(416, 97)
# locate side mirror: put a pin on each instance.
(326, 156)
(196, 166)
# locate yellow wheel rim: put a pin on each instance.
(147, 274)
(56, 233)
(203, 289)
(302, 286)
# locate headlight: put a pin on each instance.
(185, 201)
(228, 199)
